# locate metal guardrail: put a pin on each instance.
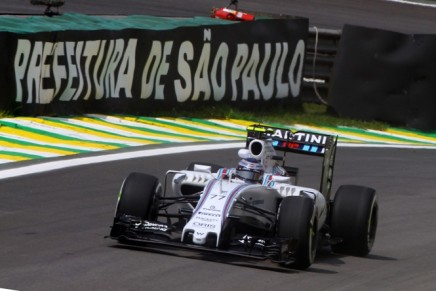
(321, 51)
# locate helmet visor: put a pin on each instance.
(249, 175)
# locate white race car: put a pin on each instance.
(255, 210)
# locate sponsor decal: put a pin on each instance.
(151, 226)
(207, 219)
(219, 196)
(310, 138)
(210, 214)
(204, 225)
(246, 239)
(304, 137)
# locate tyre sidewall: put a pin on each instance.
(354, 209)
(296, 220)
(138, 195)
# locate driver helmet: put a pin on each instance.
(249, 170)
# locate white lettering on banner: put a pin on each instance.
(238, 66)
(105, 59)
(148, 75)
(59, 70)
(90, 52)
(151, 79)
(34, 71)
(96, 69)
(296, 74)
(127, 70)
(267, 88)
(186, 53)
(46, 94)
(219, 65)
(201, 77)
(257, 80)
(20, 64)
(72, 71)
(249, 83)
(76, 68)
(202, 84)
(207, 35)
(163, 70)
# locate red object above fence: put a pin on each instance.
(231, 14)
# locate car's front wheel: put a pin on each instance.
(138, 196)
(297, 220)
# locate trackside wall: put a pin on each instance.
(385, 76)
(138, 70)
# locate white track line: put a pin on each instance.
(67, 163)
(413, 3)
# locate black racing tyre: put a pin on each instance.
(354, 219)
(138, 196)
(214, 167)
(296, 220)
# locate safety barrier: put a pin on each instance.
(320, 56)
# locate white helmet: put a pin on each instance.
(249, 170)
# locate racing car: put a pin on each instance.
(255, 210)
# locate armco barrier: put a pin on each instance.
(321, 51)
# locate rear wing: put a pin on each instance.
(300, 142)
(285, 140)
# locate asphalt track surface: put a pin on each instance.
(321, 13)
(52, 225)
(52, 228)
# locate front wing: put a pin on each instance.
(130, 230)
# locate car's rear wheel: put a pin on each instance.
(297, 220)
(354, 219)
(138, 196)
